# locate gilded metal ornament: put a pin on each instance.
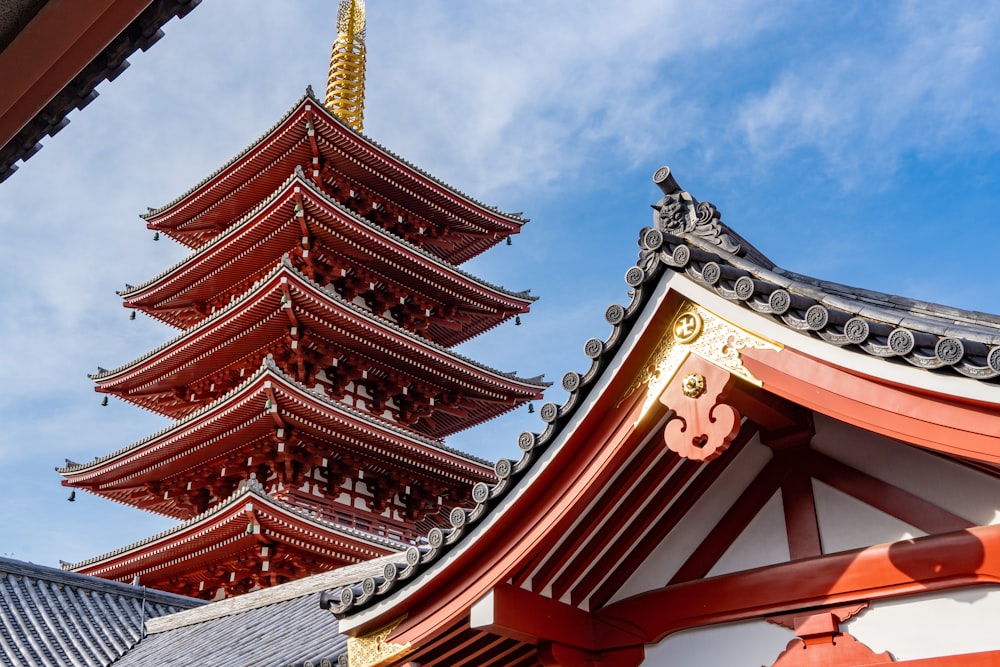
(701, 332)
(687, 327)
(345, 87)
(372, 650)
(693, 385)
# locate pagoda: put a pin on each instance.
(312, 383)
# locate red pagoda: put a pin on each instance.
(312, 382)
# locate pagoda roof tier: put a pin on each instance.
(249, 540)
(313, 328)
(268, 417)
(466, 227)
(339, 241)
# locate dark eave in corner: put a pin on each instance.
(54, 55)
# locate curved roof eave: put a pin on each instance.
(246, 490)
(297, 179)
(391, 329)
(660, 269)
(269, 371)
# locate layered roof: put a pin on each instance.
(458, 227)
(243, 424)
(258, 324)
(52, 617)
(599, 470)
(250, 530)
(298, 209)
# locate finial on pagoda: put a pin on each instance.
(345, 87)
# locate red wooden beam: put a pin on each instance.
(623, 527)
(939, 422)
(937, 562)
(735, 521)
(623, 484)
(801, 524)
(707, 474)
(530, 618)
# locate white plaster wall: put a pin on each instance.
(748, 644)
(847, 523)
(963, 620)
(962, 490)
(763, 542)
(657, 569)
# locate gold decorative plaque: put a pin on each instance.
(701, 332)
(372, 650)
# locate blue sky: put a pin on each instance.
(857, 142)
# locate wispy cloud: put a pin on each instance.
(512, 93)
(922, 79)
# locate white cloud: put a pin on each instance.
(508, 94)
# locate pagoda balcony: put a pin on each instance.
(250, 540)
(324, 341)
(349, 165)
(296, 441)
(336, 247)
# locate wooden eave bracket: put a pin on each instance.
(709, 404)
(273, 401)
(513, 612)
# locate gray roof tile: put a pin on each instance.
(241, 631)
(52, 617)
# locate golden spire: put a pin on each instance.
(345, 86)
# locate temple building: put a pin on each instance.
(312, 384)
(758, 467)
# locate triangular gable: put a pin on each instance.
(714, 446)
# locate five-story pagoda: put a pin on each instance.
(312, 382)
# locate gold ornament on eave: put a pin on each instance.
(345, 86)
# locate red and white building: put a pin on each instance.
(312, 381)
(758, 468)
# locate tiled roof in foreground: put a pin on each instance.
(689, 238)
(52, 617)
(274, 627)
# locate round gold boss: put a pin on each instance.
(693, 385)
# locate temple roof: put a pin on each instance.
(212, 205)
(67, 65)
(221, 633)
(243, 420)
(690, 254)
(221, 532)
(273, 228)
(52, 617)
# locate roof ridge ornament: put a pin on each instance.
(345, 86)
(680, 214)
